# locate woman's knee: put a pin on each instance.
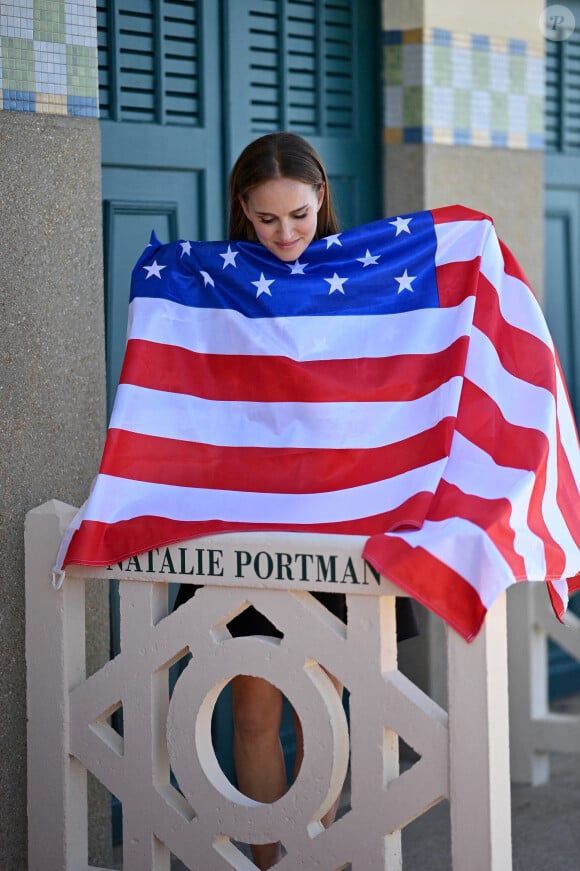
(257, 706)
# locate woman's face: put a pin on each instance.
(283, 213)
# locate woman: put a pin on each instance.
(279, 197)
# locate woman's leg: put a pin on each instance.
(258, 755)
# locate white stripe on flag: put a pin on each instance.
(224, 331)
(462, 546)
(518, 305)
(116, 499)
(533, 407)
(460, 241)
(521, 403)
(334, 425)
(568, 434)
(475, 473)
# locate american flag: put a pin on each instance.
(397, 381)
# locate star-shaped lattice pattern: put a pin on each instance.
(199, 821)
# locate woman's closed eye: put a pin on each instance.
(300, 217)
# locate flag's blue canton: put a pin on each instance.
(379, 268)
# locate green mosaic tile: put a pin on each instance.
(536, 110)
(49, 20)
(81, 65)
(442, 65)
(393, 65)
(413, 106)
(518, 67)
(17, 64)
(499, 112)
(427, 107)
(480, 70)
(461, 108)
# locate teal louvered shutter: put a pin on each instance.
(562, 201)
(562, 254)
(150, 71)
(299, 65)
(563, 94)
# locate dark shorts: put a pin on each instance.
(252, 622)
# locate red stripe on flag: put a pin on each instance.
(512, 267)
(279, 379)
(450, 214)
(457, 281)
(430, 581)
(514, 447)
(491, 515)
(112, 543)
(567, 495)
(521, 353)
(480, 420)
(267, 470)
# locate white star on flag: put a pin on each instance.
(336, 283)
(297, 268)
(154, 269)
(185, 248)
(229, 257)
(207, 279)
(405, 281)
(263, 285)
(368, 259)
(401, 225)
(333, 240)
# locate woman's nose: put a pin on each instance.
(285, 230)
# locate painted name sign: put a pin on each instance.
(209, 563)
(235, 561)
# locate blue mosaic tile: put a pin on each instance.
(479, 42)
(85, 106)
(392, 37)
(413, 134)
(19, 101)
(535, 140)
(442, 37)
(499, 139)
(517, 46)
(461, 136)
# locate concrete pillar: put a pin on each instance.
(52, 383)
(463, 123)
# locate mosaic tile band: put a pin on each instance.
(48, 57)
(460, 89)
(439, 86)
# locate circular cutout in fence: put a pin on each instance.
(195, 764)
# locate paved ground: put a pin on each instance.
(545, 822)
(545, 827)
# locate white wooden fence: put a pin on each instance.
(536, 731)
(464, 752)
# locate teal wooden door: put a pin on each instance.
(562, 254)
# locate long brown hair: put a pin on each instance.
(278, 155)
